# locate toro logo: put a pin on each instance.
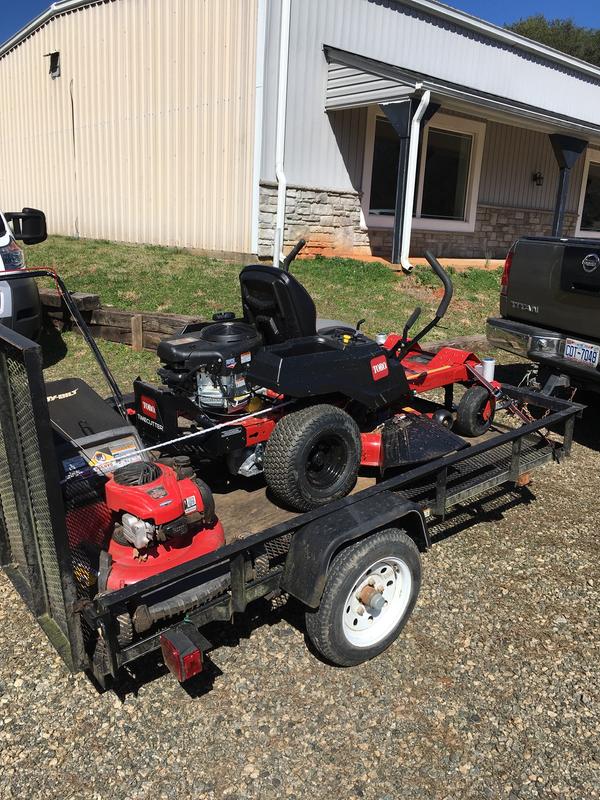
(379, 368)
(148, 407)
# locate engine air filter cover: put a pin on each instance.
(230, 333)
(223, 347)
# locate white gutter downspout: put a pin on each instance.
(261, 34)
(411, 178)
(284, 48)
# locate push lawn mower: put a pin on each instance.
(128, 517)
(308, 401)
(139, 516)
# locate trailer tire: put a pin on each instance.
(338, 630)
(313, 457)
(470, 419)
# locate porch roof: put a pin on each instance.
(355, 81)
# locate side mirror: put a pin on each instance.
(28, 225)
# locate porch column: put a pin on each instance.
(567, 150)
(400, 116)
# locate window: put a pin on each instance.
(588, 221)
(54, 65)
(447, 175)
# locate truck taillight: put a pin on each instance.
(506, 272)
(181, 651)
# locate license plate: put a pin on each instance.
(583, 353)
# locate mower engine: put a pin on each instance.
(209, 366)
(163, 519)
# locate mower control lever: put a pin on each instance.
(407, 346)
(410, 322)
(285, 264)
(445, 279)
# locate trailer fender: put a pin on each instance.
(314, 546)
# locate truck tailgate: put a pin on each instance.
(555, 283)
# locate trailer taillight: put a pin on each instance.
(182, 651)
(506, 272)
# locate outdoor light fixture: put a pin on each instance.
(538, 178)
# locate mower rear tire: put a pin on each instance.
(470, 416)
(371, 589)
(313, 457)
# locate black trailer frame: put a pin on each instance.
(292, 557)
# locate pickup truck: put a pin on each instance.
(550, 308)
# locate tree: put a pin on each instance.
(563, 35)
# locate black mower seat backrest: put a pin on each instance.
(277, 304)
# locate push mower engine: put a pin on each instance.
(209, 366)
(163, 519)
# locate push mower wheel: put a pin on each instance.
(312, 457)
(471, 417)
(370, 592)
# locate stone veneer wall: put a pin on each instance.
(330, 222)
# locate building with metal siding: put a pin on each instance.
(226, 125)
(147, 134)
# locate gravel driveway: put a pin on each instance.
(492, 691)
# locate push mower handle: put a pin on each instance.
(45, 272)
(285, 264)
(445, 279)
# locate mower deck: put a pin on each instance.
(245, 508)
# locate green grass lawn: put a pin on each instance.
(151, 278)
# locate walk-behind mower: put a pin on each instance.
(307, 401)
(146, 516)
(128, 516)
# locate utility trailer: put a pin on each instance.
(352, 563)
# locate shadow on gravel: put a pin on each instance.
(151, 667)
(489, 508)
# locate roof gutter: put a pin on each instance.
(446, 89)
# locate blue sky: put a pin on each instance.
(16, 13)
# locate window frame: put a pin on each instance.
(591, 157)
(440, 121)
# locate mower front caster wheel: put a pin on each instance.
(312, 457)
(475, 412)
(371, 590)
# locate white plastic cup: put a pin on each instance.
(488, 368)
(381, 338)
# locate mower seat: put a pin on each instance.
(276, 304)
(325, 327)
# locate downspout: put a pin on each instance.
(284, 47)
(261, 34)
(411, 177)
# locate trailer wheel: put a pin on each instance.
(371, 590)
(475, 412)
(312, 457)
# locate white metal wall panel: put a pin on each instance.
(397, 34)
(348, 87)
(147, 136)
(511, 155)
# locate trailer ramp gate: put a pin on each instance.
(34, 549)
